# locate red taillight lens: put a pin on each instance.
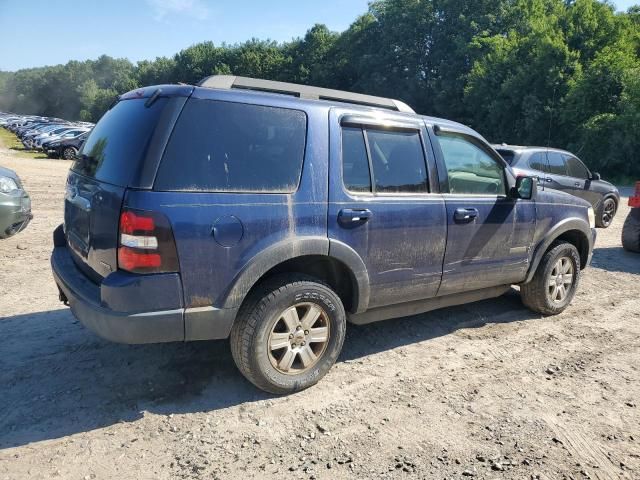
(146, 243)
(130, 223)
(129, 259)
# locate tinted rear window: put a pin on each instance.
(118, 142)
(508, 155)
(232, 147)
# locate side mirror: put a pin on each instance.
(526, 188)
(595, 176)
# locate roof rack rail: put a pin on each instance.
(302, 91)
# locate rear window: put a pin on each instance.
(508, 155)
(232, 147)
(118, 142)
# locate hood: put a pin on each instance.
(549, 195)
(5, 172)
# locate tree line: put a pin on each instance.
(560, 72)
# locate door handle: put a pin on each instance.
(465, 215)
(548, 180)
(578, 184)
(351, 217)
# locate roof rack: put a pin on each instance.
(302, 91)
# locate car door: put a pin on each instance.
(382, 205)
(489, 233)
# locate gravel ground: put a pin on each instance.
(488, 390)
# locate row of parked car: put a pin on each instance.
(56, 137)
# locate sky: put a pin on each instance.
(41, 32)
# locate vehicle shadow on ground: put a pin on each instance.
(58, 379)
(616, 259)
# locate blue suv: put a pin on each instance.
(273, 214)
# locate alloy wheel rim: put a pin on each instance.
(560, 280)
(608, 212)
(298, 338)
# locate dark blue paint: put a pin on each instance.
(411, 245)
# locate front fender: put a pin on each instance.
(567, 225)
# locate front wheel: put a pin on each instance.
(555, 282)
(288, 334)
(607, 212)
(69, 153)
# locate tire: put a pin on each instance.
(69, 153)
(631, 231)
(270, 317)
(606, 212)
(541, 296)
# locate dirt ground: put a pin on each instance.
(488, 390)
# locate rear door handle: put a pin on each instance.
(351, 217)
(465, 215)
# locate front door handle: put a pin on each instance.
(352, 217)
(465, 215)
(548, 180)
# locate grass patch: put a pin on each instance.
(10, 141)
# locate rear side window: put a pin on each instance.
(118, 142)
(508, 155)
(233, 147)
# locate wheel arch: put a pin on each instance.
(334, 263)
(574, 231)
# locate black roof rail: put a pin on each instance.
(302, 91)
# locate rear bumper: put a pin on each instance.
(84, 298)
(101, 308)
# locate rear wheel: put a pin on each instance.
(607, 212)
(69, 153)
(288, 334)
(555, 282)
(631, 231)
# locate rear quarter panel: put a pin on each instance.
(209, 269)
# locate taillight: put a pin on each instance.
(146, 243)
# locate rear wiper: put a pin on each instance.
(153, 98)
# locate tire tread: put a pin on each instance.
(251, 312)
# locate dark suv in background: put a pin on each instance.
(274, 213)
(561, 170)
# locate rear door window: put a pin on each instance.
(556, 164)
(538, 161)
(118, 143)
(221, 146)
(398, 161)
(355, 164)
